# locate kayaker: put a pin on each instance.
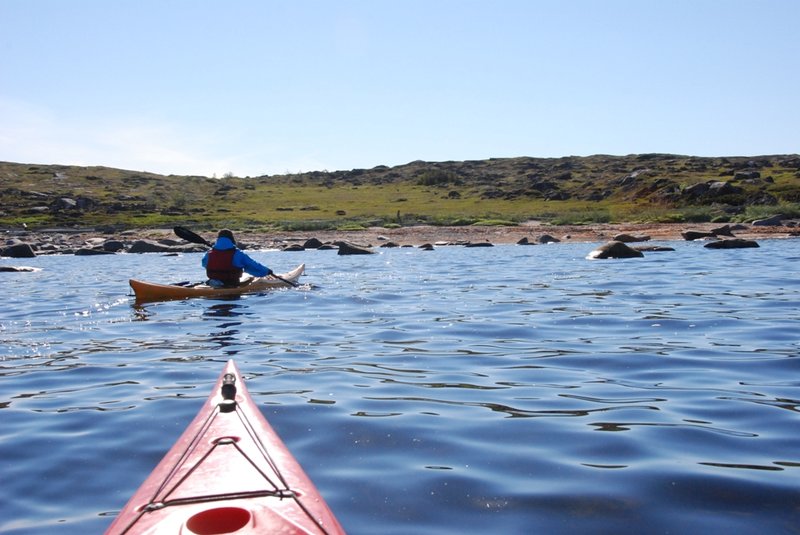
(225, 263)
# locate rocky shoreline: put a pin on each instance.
(26, 244)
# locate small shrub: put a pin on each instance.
(697, 216)
(349, 227)
(581, 217)
(670, 217)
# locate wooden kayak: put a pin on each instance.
(151, 291)
(228, 473)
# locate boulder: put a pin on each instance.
(722, 188)
(113, 246)
(690, 235)
(628, 238)
(723, 231)
(695, 190)
(148, 246)
(95, 242)
(16, 269)
(746, 175)
(479, 244)
(64, 203)
(294, 247)
(736, 243)
(547, 238)
(18, 250)
(169, 242)
(525, 241)
(390, 244)
(426, 247)
(711, 188)
(346, 248)
(614, 249)
(312, 243)
(774, 221)
(88, 251)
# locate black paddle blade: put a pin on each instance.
(188, 235)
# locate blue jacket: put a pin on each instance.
(240, 259)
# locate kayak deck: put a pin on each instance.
(151, 291)
(228, 473)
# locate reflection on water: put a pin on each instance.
(140, 312)
(225, 334)
(428, 392)
(225, 311)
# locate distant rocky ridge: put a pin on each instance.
(662, 177)
(58, 195)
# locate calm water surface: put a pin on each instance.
(506, 389)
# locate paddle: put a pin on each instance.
(188, 235)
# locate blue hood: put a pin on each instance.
(223, 244)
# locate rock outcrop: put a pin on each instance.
(17, 269)
(347, 248)
(774, 221)
(735, 243)
(18, 250)
(628, 238)
(614, 249)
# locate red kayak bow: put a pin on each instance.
(228, 473)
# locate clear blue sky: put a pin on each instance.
(256, 87)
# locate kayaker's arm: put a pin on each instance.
(250, 266)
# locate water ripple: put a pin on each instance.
(424, 392)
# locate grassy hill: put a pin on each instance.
(634, 188)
